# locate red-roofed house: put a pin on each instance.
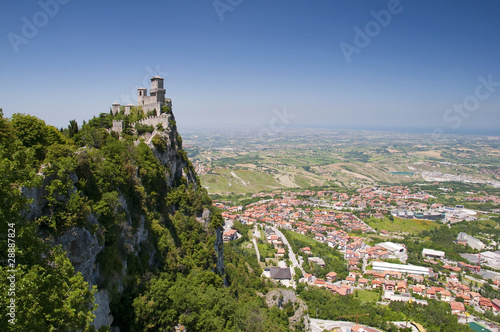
(307, 251)
(308, 278)
(281, 252)
(457, 307)
(496, 304)
(445, 295)
(340, 290)
(485, 303)
(358, 328)
(350, 280)
(230, 235)
(466, 298)
(331, 276)
(319, 283)
(377, 283)
(418, 290)
(319, 237)
(389, 285)
(474, 297)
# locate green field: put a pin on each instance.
(312, 243)
(246, 181)
(306, 158)
(411, 226)
(266, 251)
(294, 162)
(367, 296)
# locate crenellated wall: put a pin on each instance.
(117, 126)
(154, 120)
(149, 121)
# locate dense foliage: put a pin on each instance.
(334, 260)
(48, 295)
(90, 178)
(435, 317)
(443, 238)
(199, 302)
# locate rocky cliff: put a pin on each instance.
(130, 227)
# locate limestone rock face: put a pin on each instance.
(280, 297)
(37, 202)
(103, 315)
(219, 249)
(170, 156)
(218, 244)
(82, 248)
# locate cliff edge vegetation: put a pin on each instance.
(114, 232)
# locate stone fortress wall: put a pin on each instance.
(154, 120)
(155, 101)
(117, 126)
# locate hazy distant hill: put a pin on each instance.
(240, 161)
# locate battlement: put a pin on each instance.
(163, 119)
(153, 120)
(155, 101)
(117, 126)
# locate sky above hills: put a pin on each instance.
(399, 65)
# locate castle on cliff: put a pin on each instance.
(155, 101)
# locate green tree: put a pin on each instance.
(6, 130)
(72, 128)
(48, 297)
(127, 127)
(34, 133)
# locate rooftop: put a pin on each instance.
(433, 252)
(383, 266)
(280, 273)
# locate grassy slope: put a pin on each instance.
(412, 226)
(367, 296)
(246, 181)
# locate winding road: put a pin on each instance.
(291, 254)
(256, 234)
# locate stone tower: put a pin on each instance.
(141, 94)
(157, 88)
(155, 101)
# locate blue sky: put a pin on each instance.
(242, 62)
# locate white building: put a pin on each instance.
(397, 251)
(392, 247)
(411, 269)
(466, 239)
(430, 253)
